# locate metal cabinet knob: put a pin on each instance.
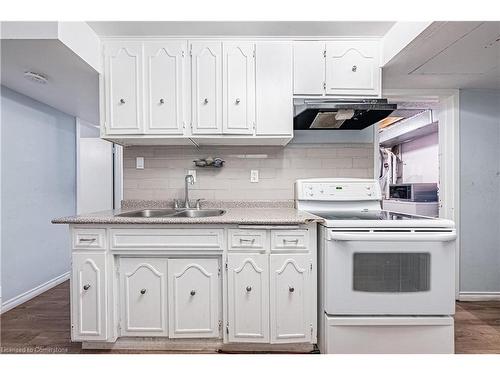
(86, 287)
(162, 101)
(354, 68)
(249, 288)
(193, 292)
(237, 101)
(122, 101)
(205, 101)
(143, 291)
(291, 289)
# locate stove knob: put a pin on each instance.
(321, 191)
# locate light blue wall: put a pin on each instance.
(480, 191)
(38, 184)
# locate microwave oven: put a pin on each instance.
(414, 192)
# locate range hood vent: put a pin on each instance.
(340, 114)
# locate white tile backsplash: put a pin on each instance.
(279, 167)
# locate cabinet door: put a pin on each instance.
(248, 298)
(123, 87)
(206, 75)
(238, 93)
(353, 68)
(193, 297)
(143, 306)
(274, 92)
(88, 297)
(291, 319)
(166, 82)
(308, 68)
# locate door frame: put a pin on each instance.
(449, 153)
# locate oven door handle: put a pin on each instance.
(392, 237)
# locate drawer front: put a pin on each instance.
(286, 240)
(248, 240)
(167, 239)
(89, 238)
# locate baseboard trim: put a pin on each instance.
(26, 296)
(479, 296)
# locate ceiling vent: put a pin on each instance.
(36, 77)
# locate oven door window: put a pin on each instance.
(391, 272)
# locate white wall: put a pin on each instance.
(480, 191)
(421, 159)
(38, 184)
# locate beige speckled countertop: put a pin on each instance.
(240, 213)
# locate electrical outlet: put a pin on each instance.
(192, 172)
(139, 162)
(254, 175)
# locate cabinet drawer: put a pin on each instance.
(89, 238)
(248, 240)
(297, 240)
(167, 239)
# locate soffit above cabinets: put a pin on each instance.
(239, 28)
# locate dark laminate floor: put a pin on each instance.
(42, 326)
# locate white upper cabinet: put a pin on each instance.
(291, 287)
(274, 103)
(353, 68)
(308, 68)
(194, 297)
(238, 66)
(206, 91)
(337, 68)
(167, 86)
(123, 88)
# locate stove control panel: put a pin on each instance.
(337, 189)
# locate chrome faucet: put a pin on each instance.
(189, 179)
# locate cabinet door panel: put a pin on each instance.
(206, 73)
(308, 68)
(166, 74)
(238, 87)
(352, 68)
(88, 297)
(248, 298)
(274, 91)
(144, 297)
(291, 319)
(123, 87)
(193, 297)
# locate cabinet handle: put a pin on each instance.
(86, 287)
(87, 239)
(354, 68)
(162, 101)
(247, 240)
(122, 101)
(296, 241)
(237, 101)
(193, 292)
(205, 101)
(291, 289)
(249, 288)
(143, 291)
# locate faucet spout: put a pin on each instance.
(189, 179)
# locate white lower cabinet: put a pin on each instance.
(143, 283)
(88, 295)
(248, 297)
(193, 297)
(290, 287)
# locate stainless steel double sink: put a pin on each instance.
(166, 212)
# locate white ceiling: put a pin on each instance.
(237, 28)
(448, 55)
(73, 86)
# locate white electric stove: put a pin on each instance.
(386, 279)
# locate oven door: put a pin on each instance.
(390, 272)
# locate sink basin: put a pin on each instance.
(149, 213)
(173, 213)
(200, 213)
